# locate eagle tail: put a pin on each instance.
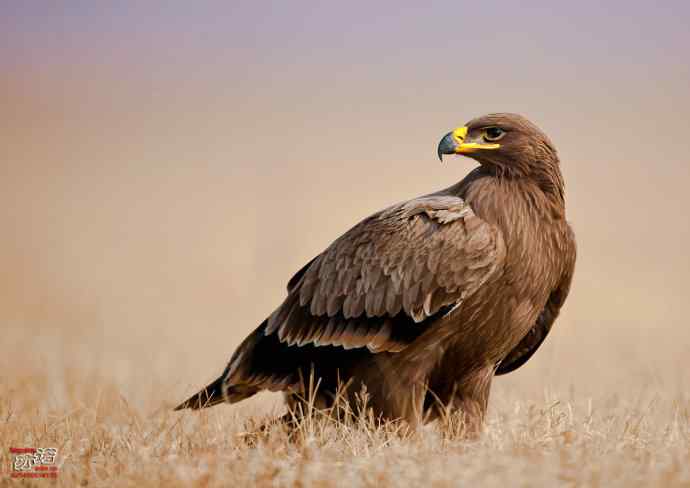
(207, 397)
(213, 395)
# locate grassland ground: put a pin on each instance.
(111, 431)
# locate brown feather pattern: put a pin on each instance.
(415, 257)
(425, 301)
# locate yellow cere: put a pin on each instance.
(463, 147)
(460, 133)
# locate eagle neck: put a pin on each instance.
(519, 207)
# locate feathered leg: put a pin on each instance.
(464, 401)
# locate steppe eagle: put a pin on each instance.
(424, 302)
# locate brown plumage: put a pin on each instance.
(424, 302)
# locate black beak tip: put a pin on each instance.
(447, 145)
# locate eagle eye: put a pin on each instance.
(493, 134)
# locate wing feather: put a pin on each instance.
(389, 275)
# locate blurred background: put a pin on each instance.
(164, 170)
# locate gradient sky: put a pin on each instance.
(169, 166)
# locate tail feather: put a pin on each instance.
(208, 397)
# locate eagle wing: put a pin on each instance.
(379, 284)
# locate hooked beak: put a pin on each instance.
(454, 143)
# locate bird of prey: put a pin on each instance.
(423, 303)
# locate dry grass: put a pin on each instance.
(110, 433)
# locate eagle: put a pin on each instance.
(421, 304)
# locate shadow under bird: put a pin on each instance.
(423, 303)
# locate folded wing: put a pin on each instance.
(379, 283)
